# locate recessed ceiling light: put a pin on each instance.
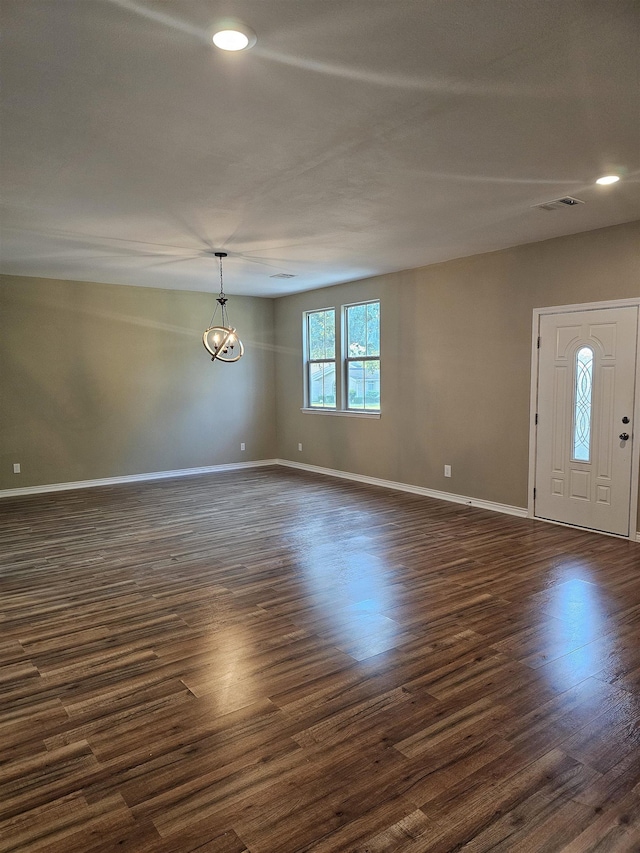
(608, 179)
(233, 35)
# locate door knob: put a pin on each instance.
(624, 436)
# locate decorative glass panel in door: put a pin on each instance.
(582, 405)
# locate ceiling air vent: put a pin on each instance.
(283, 275)
(559, 203)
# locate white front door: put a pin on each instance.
(585, 405)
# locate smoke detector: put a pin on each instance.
(558, 203)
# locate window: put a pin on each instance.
(362, 326)
(321, 358)
(582, 405)
(356, 387)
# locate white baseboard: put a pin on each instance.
(520, 512)
(506, 509)
(133, 478)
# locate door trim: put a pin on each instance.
(635, 451)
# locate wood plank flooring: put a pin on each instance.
(269, 661)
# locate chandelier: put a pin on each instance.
(222, 342)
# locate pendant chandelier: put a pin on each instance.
(222, 341)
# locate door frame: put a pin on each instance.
(634, 535)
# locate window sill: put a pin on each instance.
(341, 413)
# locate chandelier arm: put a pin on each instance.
(213, 316)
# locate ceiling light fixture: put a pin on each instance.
(232, 35)
(221, 341)
(605, 180)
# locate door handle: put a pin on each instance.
(624, 436)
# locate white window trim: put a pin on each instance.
(346, 359)
(308, 361)
(341, 413)
(341, 362)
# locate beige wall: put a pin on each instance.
(456, 363)
(104, 380)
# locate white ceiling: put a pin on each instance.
(357, 137)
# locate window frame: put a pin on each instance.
(347, 360)
(341, 362)
(575, 418)
(309, 362)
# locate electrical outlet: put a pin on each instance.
(447, 470)
(16, 467)
(300, 446)
(242, 446)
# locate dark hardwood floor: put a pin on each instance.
(271, 661)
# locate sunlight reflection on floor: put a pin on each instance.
(581, 611)
(349, 590)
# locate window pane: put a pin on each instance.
(582, 413)
(316, 335)
(363, 385)
(355, 384)
(372, 384)
(329, 334)
(373, 328)
(357, 330)
(322, 385)
(363, 329)
(322, 334)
